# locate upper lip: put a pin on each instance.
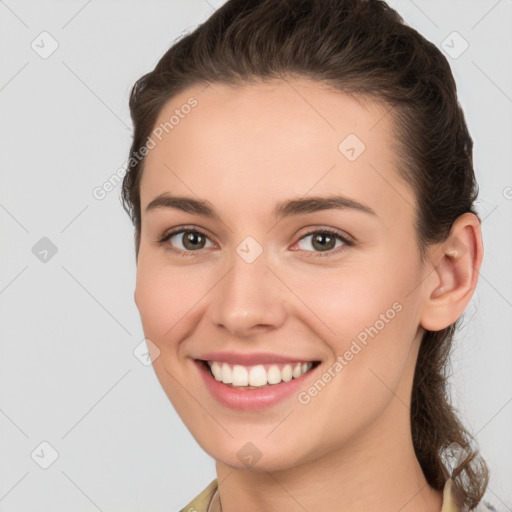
(251, 359)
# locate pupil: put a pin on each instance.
(192, 238)
(323, 237)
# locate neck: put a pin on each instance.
(373, 476)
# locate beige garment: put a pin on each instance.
(201, 502)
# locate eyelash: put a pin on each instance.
(329, 231)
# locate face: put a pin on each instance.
(334, 283)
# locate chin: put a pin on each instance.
(254, 455)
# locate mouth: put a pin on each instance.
(257, 376)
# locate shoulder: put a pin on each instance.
(202, 500)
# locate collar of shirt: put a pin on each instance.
(209, 495)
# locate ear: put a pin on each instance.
(452, 280)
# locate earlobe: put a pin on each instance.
(454, 276)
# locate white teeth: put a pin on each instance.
(257, 376)
(286, 373)
(274, 375)
(216, 370)
(240, 375)
(227, 374)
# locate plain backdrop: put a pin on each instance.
(68, 374)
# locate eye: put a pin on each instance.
(185, 241)
(324, 240)
(190, 240)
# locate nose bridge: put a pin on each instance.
(249, 295)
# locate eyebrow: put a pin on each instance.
(287, 208)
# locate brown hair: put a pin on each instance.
(359, 47)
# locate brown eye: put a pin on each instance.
(186, 240)
(192, 240)
(324, 241)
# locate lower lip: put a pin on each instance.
(251, 399)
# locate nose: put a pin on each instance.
(249, 299)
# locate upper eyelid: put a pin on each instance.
(173, 232)
(334, 232)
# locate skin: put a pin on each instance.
(245, 149)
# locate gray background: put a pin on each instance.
(68, 375)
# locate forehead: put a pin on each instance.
(269, 141)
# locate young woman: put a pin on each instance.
(302, 190)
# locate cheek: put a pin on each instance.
(366, 314)
(365, 319)
(161, 297)
(347, 300)
(170, 299)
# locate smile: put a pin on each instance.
(257, 387)
(257, 376)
